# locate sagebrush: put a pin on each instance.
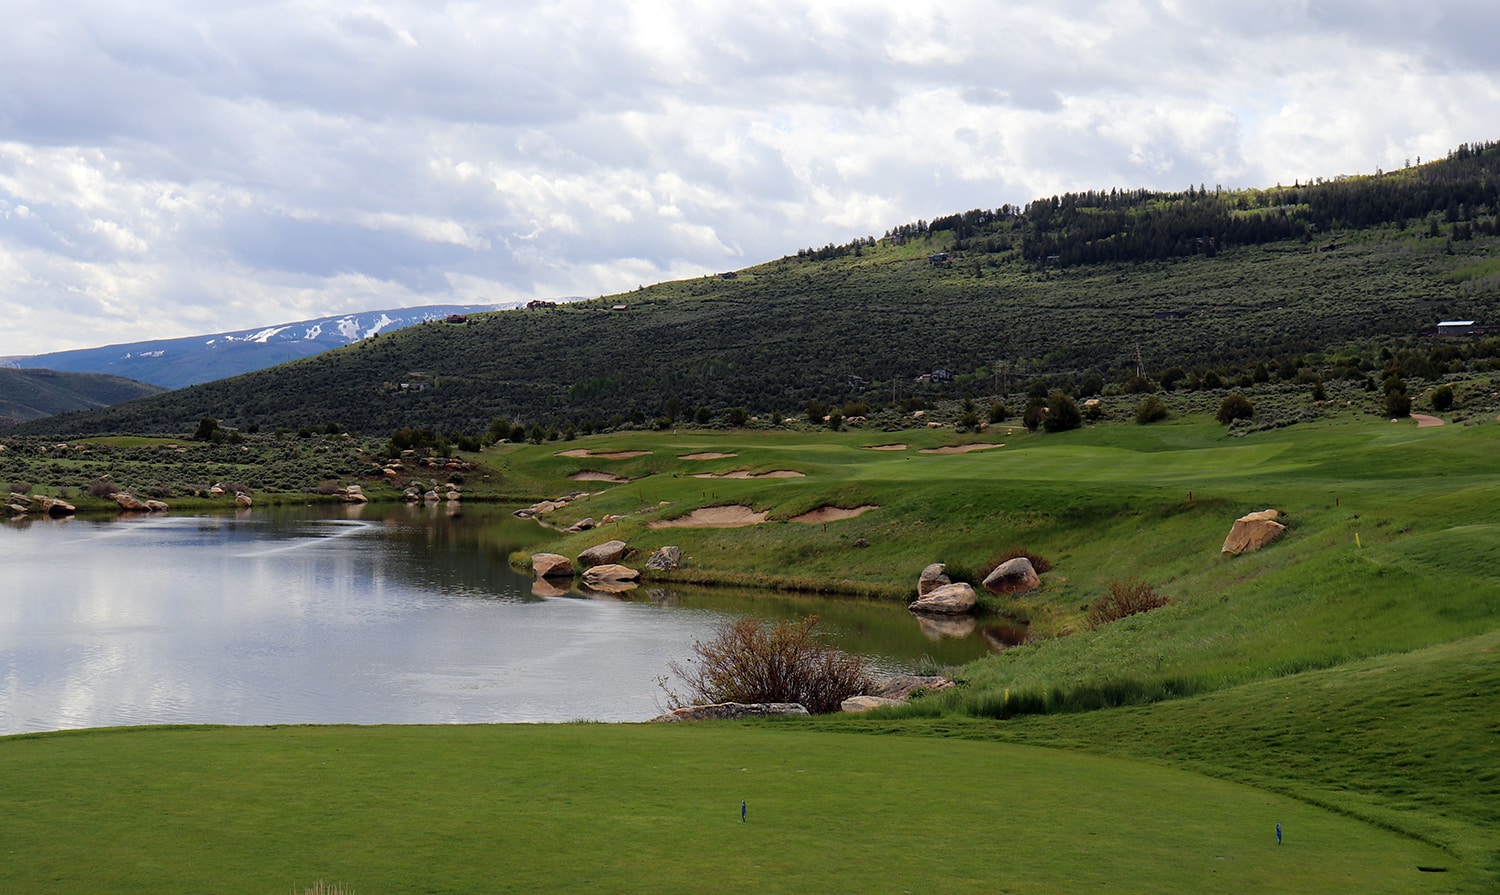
(752, 660)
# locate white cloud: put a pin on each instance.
(173, 168)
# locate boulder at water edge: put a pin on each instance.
(723, 710)
(551, 565)
(1014, 576)
(860, 704)
(665, 559)
(608, 572)
(932, 578)
(599, 554)
(1252, 532)
(129, 502)
(950, 599)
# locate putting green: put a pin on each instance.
(644, 808)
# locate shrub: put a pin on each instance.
(1151, 410)
(1062, 413)
(1125, 598)
(20, 487)
(1442, 397)
(750, 660)
(1235, 407)
(999, 413)
(1397, 404)
(103, 487)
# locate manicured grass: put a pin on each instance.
(641, 808)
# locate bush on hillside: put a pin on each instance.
(1235, 407)
(1062, 413)
(1442, 398)
(751, 660)
(1151, 410)
(1125, 598)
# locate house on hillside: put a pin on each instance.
(537, 304)
(1459, 328)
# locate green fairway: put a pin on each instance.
(591, 808)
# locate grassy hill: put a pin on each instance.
(1067, 286)
(31, 394)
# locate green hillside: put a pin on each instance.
(1068, 286)
(30, 394)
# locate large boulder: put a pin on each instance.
(129, 502)
(610, 572)
(665, 559)
(900, 687)
(1014, 576)
(724, 710)
(932, 578)
(157, 506)
(1252, 532)
(55, 506)
(551, 565)
(600, 554)
(950, 599)
(242, 499)
(861, 704)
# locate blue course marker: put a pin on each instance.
(742, 820)
(1278, 833)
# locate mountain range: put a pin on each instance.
(174, 363)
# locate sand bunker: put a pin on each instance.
(604, 455)
(733, 516)
(707, 455)
(960, 448)
(591, 475)
(887, 447)
(1426, 422)
(746, 474)
(832, 514)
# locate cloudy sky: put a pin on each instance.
(170, 167)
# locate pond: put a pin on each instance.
(360, 615)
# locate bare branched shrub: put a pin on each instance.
(751, 660)
(1125, 598)
(322, 888)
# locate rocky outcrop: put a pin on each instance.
(242, 499)
(726, 710)
(861, 704)
(55, 506)
(353, 494)
(1252, 532)
(950, 599)
(901, 686)
(156, 506)
(551, 565)
(543, 507)
(129, 502)
(665, 559)
(932, 578)
(585, 524)
(1014, 576)
(610, 572)
(601, 554)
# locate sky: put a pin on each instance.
(170, 168)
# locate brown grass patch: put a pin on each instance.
(732, 516)
(832, 514)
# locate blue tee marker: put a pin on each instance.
(1278, 833)
(742, 820)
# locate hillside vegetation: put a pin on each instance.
(30, 394)
(1203, 280)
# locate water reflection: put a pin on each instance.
(354, 614)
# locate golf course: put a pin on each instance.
(1321, 715)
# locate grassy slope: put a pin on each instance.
(29, 394)
(1355, 676)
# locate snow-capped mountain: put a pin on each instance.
(174, 363)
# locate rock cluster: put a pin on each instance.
(725, 710)
(665, 559)
(21, 505)
(543, 507)
(551, 565)
(895, 690)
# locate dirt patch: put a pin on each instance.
(603, 455)
(746, 474)
(832, 514)
(1426, 422)
(707, 455)
(960, 448)
(887, 447)
(733, 516)
(593, 475)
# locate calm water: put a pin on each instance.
(371, 615)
